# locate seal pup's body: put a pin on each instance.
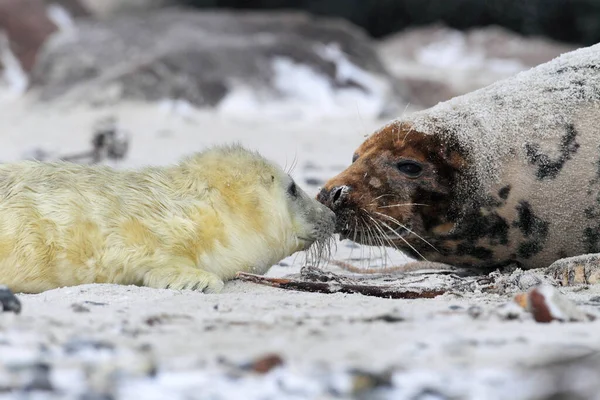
(187, 226)
(506, 174)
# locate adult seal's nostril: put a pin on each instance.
(337, 195)
(334, 197)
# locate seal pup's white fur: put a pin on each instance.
(187, 226)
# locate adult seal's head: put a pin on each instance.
(509, 173)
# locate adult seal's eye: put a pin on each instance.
(410, 168)
(293, 190)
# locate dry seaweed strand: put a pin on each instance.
(413, 268)
(387, 291)
(358, 270)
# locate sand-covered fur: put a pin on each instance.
(508, 173)
(187, 226)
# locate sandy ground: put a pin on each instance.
(109, 342)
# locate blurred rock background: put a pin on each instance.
(291, 58)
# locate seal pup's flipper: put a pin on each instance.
(584, 269)
(184, 277)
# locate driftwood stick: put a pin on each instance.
(389, 292)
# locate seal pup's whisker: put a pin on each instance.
(294, 164)
(394, 220)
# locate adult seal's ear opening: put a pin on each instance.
(192, 225)
(506, 174)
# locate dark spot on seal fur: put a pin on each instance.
(528, 222)
(499, 100)
(548, 168)
(576, 68)
(591, 213)
(479, 252)
(562, 254)
(529, 249)
(532, 227)
(479, 232)
(598, 166)
(504, 192)
(591, 238)
(477, 226)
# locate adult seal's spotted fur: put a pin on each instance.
(188, 226)
(506, 174)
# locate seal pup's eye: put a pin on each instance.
(410, 168)
(293, 190)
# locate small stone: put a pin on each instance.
(364, 382)
(509, 311)
(475, 312)
(94, 303)
(77, 345)
(8, 301)
(79, 308)
(265, 364)
(547, 304)
(40, 379)
(390, 317)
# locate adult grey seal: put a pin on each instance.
(506, 174)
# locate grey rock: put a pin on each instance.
(200, 57)
(436, 63)
(107, 8)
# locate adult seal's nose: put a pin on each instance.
(333, 197)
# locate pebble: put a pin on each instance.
(8, 301)
(547, 304)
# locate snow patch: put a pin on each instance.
(453, 52)
(61, 17)
(304, 93)
(13, 79)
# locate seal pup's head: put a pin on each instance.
(266, 215)
(398, 192)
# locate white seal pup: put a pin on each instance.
(192, 225)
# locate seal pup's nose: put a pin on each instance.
(333, 197)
